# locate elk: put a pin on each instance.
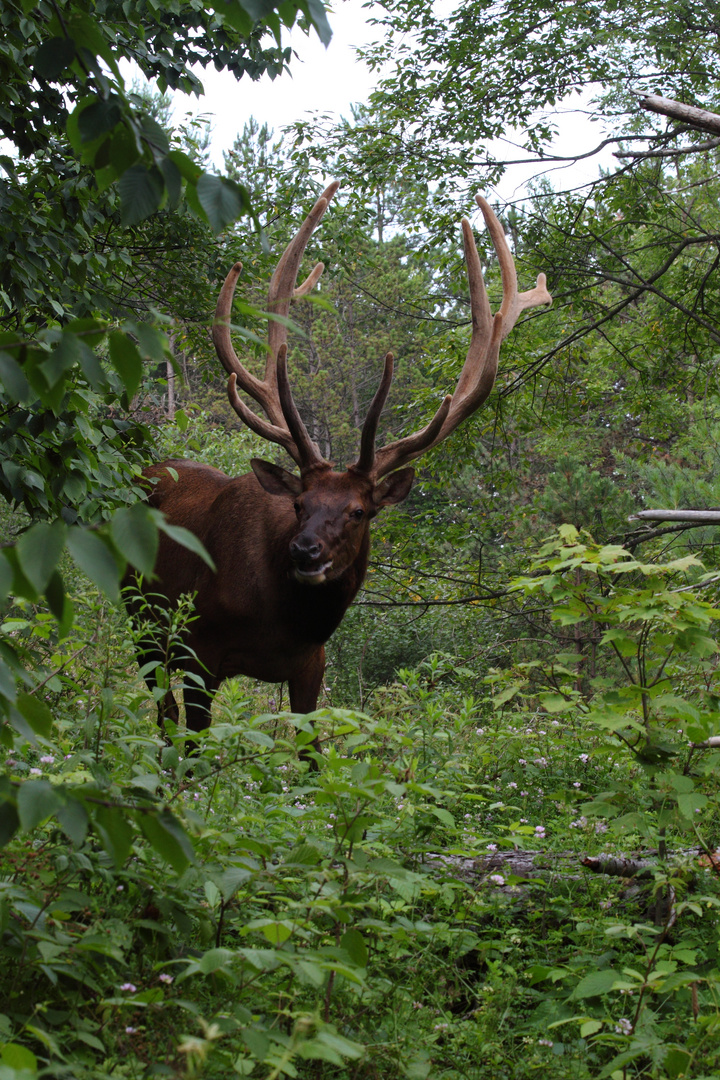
(291, 551)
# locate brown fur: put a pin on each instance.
(255, 615)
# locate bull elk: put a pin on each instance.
(291, 552)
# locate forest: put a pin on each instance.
(500, 859)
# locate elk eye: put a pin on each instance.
(357, 514)
(297, 508)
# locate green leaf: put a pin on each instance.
(173, 181)
(115, 832)
(64, 356)
(37, 800)
(13, 379)
(53, 56)
(222, 201)
(73, 819)
(98, 118)
(168, 837)
(318, 16)
(141, 191)
(277, 933)
(37, 714)
(38, 551)
(215, 960)
(689, 805)
(188, 169)
(95, 559)
(18, 1058)
(152, 343)
(6, 577)
(136, 537)
(9, 820)
(354, 945)
(127, 361)
(596, 983)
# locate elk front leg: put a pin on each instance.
(304, 691)
(198, 703)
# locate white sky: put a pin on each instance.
(331, 80)
(327, 80)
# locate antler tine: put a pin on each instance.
(282, 284)
(365, 462)
(223, 342)
(308, 452)
(513, 301)
(261, 427)
(266, 392)
(480, 368)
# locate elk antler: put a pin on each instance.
(283, 424)
(478, 374)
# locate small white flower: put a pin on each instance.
(540, 830)
(36, 772)
(497, 879)
(130, 1030)
(165, 978)
(47, 759)
(129, 987)
(492, 847)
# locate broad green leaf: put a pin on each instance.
(135, 535)
(277, 933)
(173, 181)
(590, 1027)
(354, 945)
(215, 960)
(38, 551)
(6, 577)
(95, 559)
(318, 15)
(9, 820)
(188, 169)
(13, 379)
(168, 838)
(596, 983)
(73, 819)
(127, 361)
(53, 56)
(36, 712)
(64, 356)
(115, 832)
(221, 200)
(99, 118)
(37, 800)
(18, 1058)
(690, 805)
(141, 191)
(152, 343)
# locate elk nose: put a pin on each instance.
(305, 551)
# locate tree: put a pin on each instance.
(79, 243)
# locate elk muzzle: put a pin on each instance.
(310, 560)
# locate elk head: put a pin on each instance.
(334, 508)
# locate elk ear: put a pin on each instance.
(276, 480)
(394, 488)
